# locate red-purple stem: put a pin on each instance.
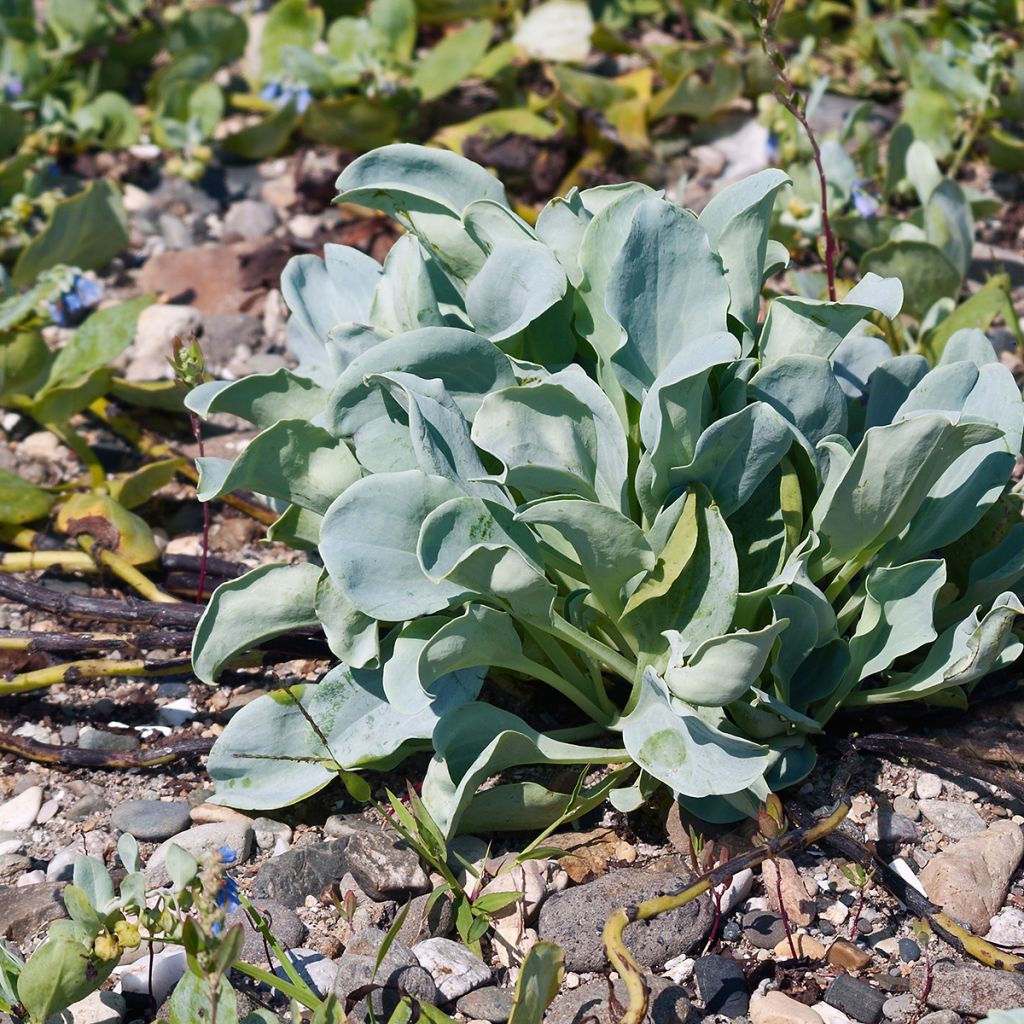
(205, 553)
(783, 914)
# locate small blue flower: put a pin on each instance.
(227, 897)
(270, 91)
(14, 87)
(56, 311)
(771, 147)
(864, 202)
(302, 100)
(227, 855)
(89, 291)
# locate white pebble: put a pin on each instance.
(20, 811)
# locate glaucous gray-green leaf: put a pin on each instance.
(926, 273)
(260, 398)
(491, 223)
(675, 412)
(970, 344)
(856, 359)
(292, 460)
(611, 548)
(801, 326)
(560, 226)
(451, 60)
(889, 385)
(679, 748)
(549, 443)
(737, 219)
(805, 391)
(897, 615)
(889, 476)
(666, 288)
(735, 454)
(476, 741)
(351, 635)
(479, 545)
(962, 654)
(519, 281)
(694, 583)
(369, 539)
(440, 434)
(407, 294)
(797, 640)
(297, 527)
(992, 573)
(242, 613)
(336, 289)
(719, 670)
(949, 225)
(469, 366)
(481, 635)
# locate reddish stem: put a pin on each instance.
(858, 910)
(783, 914)
(926, 990)
(205, 552)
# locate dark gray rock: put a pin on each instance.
(588, 1003)
(722, 985)
(284, 925)
(909, 951)
(491, 1003)
(889, 827)
(575, 918)
(12, 867)
(112, 743)
(151, 821)
(224, 332)
(421, 923)
(304, 871)
(965, 988)
(763, 928)
(952, 818)
(399, 970)
(249, 218)
(381, 861)
(26, 910)
(857, 999)
(88, 805)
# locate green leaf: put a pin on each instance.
(94, 880)
(267, 137)
(352, 122)
(926, 274)
(351, 635)
(451, 60)
(134, 489)
(290, 23)
(20, 501)
(193, 1000)
(676, 746)
(804, 389)
(258, 606)
(87, 231)
(60, 972)
(539, 980)
(100, 340)
(110, 524)
(181, 866)
(669, 248)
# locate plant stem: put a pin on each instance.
(35, 561)
(566, 689)
(204, 554)
(127, 572)
(90, 668)
(782, 911)
(589, 645)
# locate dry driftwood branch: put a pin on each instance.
(75, 757)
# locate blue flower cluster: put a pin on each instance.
(76, 301)
(280, 96)
(864, 202)
(13, 86)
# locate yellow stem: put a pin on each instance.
(91, 668)
(125, 570)
(34, 561)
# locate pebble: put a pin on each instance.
(905, 806)
(970, 880)
(86, 807)
(1007, 928)
(574, 919)
(26, 909)
(830, 1015)
(95, 1008)
(12, 867)
(62, 863)
(845, 954)
(151, 821)
(806, 947)
(314, 968)
(381, 861)
(901, 1008)
(940, 1017)
(268, 832)
(763, 929)
(453, 967)
(110, 742)
(589, 1002)
(736, 892)
(835, 913)
(722, 985)
(953, 819)
(857, 999)
(778, 1008)
(32, 878)
(968, 988)
(178, 712)
(889, 827)
(11, 843)
(168, 968)
(423, 922)
(20, 811)
(909, 951)
(203, 839)
(284, 925)
(292, 876)
(929, 786)
(782, 875)
(251, 219)
(490, 1003)
(157, 327)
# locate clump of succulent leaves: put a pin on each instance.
(585, 459)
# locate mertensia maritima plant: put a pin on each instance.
(581, 460)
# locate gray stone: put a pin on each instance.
(86, 807)
(95, 1008)
(26, 910)
(314, 968)
(296, 874)
(250, 218)
(909, 951)
(426, 923)
(12, 867)
(455, 969)
(491, 1003)
(722, 986)
(886, 826)
(929, 786)
(940, 1017)
(588, 1003)
(382, 862)
(151, 821)
(857, 999)
(907, 807)
(224, 332)
(399, 970)
(901, 1008)
(200, 841)
(575, 918)
(953, 819)
(157, 327)
(284, 925)
(110, 742)
(268, 832)
(967, 988)
(763, 928)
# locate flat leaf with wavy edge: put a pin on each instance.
(264, 603)
(691, 757)
(260, 398)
